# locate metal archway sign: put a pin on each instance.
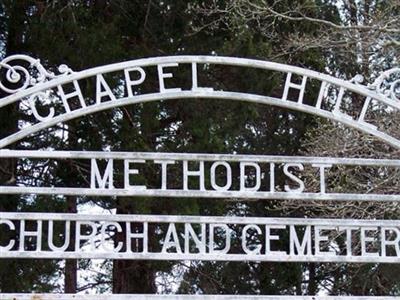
(48, 97)
(382, 92)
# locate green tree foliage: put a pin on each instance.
(37, 275)
(360, 279)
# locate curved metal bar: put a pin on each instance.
(220, 60)
(199, 94)
(242, 62)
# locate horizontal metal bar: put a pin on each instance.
(199, 257)
(172, 193)
(197, 219)
(197, 157)
(181, 297)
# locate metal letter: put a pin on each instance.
(295, 243)
(257, 249)
(23, 233)
(162, 76)
(82, 237)
(271, 237)
(168, 243)
(300, 87)
(322, 168)
(385, 242)
(95, 175)
(322, 238)
(164, 164)
(67, 234)
(187, 173)
(76, 93)
(243, 186)
(103, 236)
(128, 171)
(130, 82)
(32, 103)
(213, 180)
(195, 85)
(365, 239)
(199, 242)
(11, 244)
(227, 231)
(144, 235)
(100, 85)
(300, 189)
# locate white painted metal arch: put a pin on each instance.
(47, 80)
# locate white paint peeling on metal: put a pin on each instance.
(171, 193)
(195, 219)
(197, 157)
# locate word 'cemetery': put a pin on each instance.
(208, 238)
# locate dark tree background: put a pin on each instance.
(84, 34)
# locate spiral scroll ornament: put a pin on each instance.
(388, 84)
(23, 71)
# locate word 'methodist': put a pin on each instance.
(214, 176)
